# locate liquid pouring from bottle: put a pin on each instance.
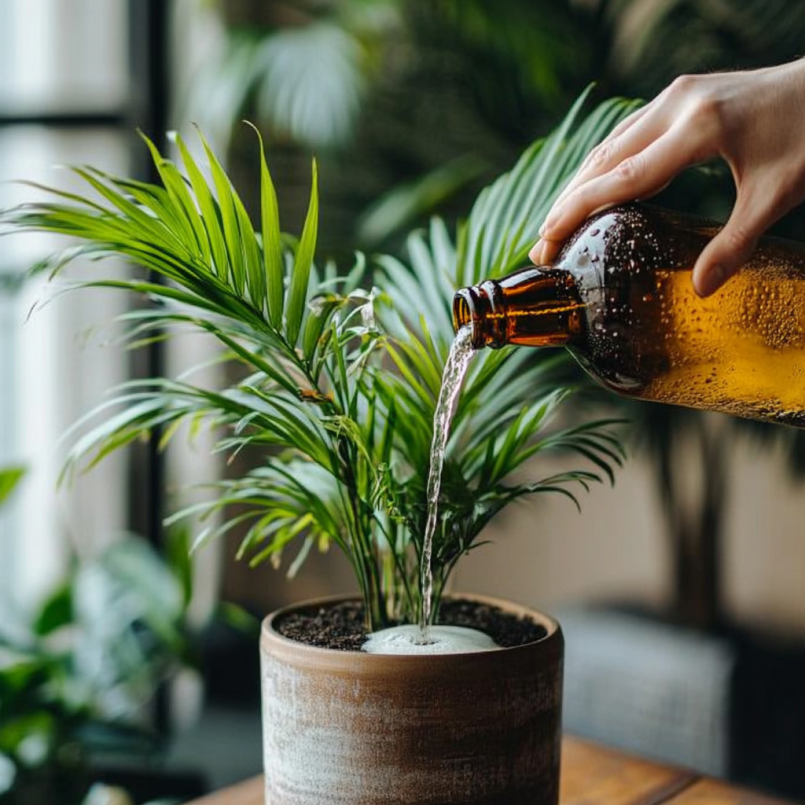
(621, 300)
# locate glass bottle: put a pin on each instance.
(620, 299)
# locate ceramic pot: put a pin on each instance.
(350, 728)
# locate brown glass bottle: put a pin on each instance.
(620, 298)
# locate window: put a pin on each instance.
(67, 95)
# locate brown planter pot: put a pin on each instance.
(349, 728)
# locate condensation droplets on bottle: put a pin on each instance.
(620, 298)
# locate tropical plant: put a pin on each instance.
(78, 676)
(341, 380)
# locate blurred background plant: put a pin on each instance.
(81, 677)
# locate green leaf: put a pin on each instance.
(186, 215)
(9, 478)
(238, 618)
(310, 82)
(55, 612)
(179, 561)
(210, 214)
(300, 277)
(272, 245)
(228, 202)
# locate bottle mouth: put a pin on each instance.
(467, 304)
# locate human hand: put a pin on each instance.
(754, 120)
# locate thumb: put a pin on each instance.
(732, 246)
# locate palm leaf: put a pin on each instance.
(272, 248)
(342, 381)
(298, 292)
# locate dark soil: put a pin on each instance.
(340, 626)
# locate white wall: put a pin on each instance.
(545, 553)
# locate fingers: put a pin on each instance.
(606, 154)
(544, 252)
(734, 244)
(600, 160)
(642, 174)
(625, 139)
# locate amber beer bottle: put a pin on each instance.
(620, 298)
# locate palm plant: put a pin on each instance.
(341, 379)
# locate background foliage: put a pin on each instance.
(79, 675)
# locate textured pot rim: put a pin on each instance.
(280, 646)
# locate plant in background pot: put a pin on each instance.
(79, 677)
(338, 402)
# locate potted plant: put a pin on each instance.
(338, 401)
(79, 677)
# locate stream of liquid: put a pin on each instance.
(458, 361)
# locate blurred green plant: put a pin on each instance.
(301, 69)
(78, 677)
(9, 479)
(304, 70)
(342, 380)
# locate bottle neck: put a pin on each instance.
(535, 306)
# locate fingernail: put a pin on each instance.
(534, 254)
(542, 229)
(709, 282)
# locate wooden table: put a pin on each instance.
(591, 775)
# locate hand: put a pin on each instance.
(754, 120)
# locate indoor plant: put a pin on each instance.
(80, 675)
(339, 399)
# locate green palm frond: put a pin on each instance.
(503, 223)
(341, 381)
(304, 78)
(510, 397)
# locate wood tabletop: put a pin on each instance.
(591, 775)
